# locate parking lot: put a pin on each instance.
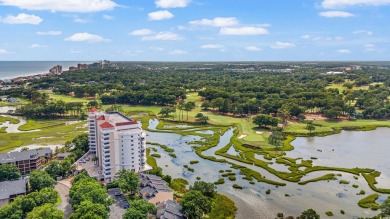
(119, 207)
(89, 165)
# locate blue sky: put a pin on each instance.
(195, 30)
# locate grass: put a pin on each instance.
(220, 181)
(156, 155)
(3, 130)
(194, 161)
(329, 176)
(345, 182)
(46, 136)
(371, 180)
(41, 124)
(235, 186)
(329, 213)
(222, 208)
(369, 202)
(4, 119)
(68, 99)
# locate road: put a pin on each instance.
(62, 188)
(117, 209)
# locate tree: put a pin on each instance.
(310, 126)
(39, 180)
(45, 211)
(205, 105)
(54, 169)
(263, 120)
(218, 103)
(9, 172)
(201, 118)
(189, 106)
(276, 138)
(309, 214)
(93, 210)
(143, 206)
(132, 213)
(128, 181)
(195, 204)
(207, 189)
(385, 208)
(166, 110)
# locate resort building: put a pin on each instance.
(153, 189)
(28, 160)
(11, 189)
(118, 142)
(169, 209)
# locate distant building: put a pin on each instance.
(11, 189)
(118, 142)
(153, 189)
(62, 156)
(56, 69)
(27, 161)
(73, 68)
(13, 100)
(82, 66)
(169, 209)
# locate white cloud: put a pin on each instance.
(83, 6)
(242, 31)
(177, 52)
(253, 48)
(172, 3)
(369, 47)
(306, 37)
(282, 45)
(333, 14)
(369, 33)
(212, 46)
(160, 15)
(87, 38)
(107, 17)
(80, 20)
(141, 32)
(157, 49)
(329, 4)
(75, 51)
(36, 45)
(345, 51)
(22, 18)
(51, 33)
(3, 51)
(216, 22)
(162, 36)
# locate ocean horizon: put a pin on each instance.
(13, 69)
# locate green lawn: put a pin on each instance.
(22, 102)
(40, 124)
(46, 136)
(68, 99)
(9, 119)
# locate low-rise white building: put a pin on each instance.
(118, 142)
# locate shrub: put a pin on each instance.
(344, 182)
(329, 213)
(362, 192)
(342, 211)
(232, 178)
(194, 162)
(355, 186)
(197, 178)
(268, 192)
(156, 155)
(220, 181)
(252, 183)
(221, 171)
(235, 186)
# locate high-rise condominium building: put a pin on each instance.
(118, 142)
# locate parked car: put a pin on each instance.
(118, 194)
(87, 159)
(126, 205)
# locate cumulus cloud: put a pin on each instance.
(306, 37)
(22, 18)
(365, 32)
(216, 22)
(212, 46)
(83, 6)
(141, 32)
(330, 4)
(36, 45)
(75, 51)
(80, 20)
(107, 17)
(3, 51)
(172, 3)
(345, 51)
(51, 33)
(162, 36)
(253, 48)
(87, 38)
(333, 14)
(242, 31)
(369, 47)
(177, 52)
(157, 49)
(282, 45)
(160, 15)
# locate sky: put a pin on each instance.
(195, 30)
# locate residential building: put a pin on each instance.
(11, 189)
(154, 189)
(82, 66)
(61, 156)
(118, 142)
(56, 69)
(27, 161)
(73, 68)
(169, 209)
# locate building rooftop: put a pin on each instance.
(92, 110)
(169, 210)
(106, 125)
(63, 155)
(24, 155)
(9, 188)
(151, 185)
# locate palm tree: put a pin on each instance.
(95, 159)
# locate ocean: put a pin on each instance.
(14, 69)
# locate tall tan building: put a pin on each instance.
(118, 142)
